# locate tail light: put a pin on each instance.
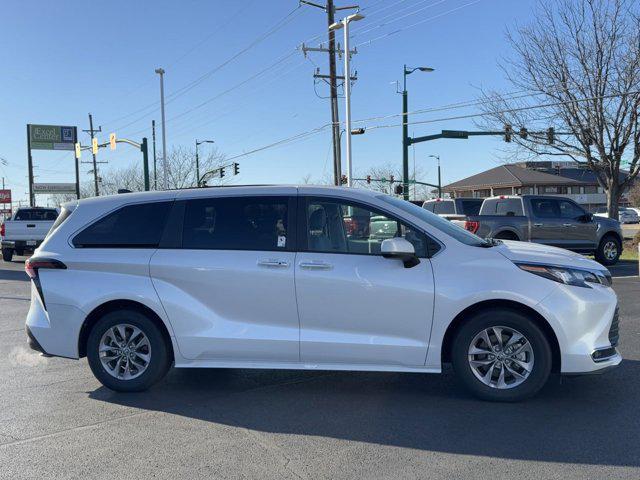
(32, 267)
(471, 226)
(2, 230)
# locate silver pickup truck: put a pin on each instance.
(550, 220)
(26, 230)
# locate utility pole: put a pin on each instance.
(155, 171)
(91, 132)
(330, 9)
(160, 72)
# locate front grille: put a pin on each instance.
(614, 334)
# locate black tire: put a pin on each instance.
(159, 362)
(603, 254)
(7, 254)
(513, 319)
(507, 236)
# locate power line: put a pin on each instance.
(394, 17)
(394, 32)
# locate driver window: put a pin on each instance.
(342, 227)
(570, 210)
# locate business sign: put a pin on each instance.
(6, 211)
(5, 196)
(51, 137)
(54, 188)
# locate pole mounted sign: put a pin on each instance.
(54, 187)
(52, 137)
(5, 196)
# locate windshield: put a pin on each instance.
(445, 226)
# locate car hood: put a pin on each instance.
(525, 252)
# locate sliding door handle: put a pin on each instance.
(273, 263)
(537, 224)
(316, 265)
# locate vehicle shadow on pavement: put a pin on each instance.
(589, 420)
(624, 268)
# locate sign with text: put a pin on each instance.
(5, 196)
(54, 187)
(51, 137)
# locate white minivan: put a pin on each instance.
(314, 278)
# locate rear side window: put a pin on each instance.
(545, 208)
(237, 223)
(502, 206)
(444, 208)
(36, 215)
(428, 206)
(132, 226)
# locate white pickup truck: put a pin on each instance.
(25, 231)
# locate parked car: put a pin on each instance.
(550, 220)
(625, 215)
(26, 230)
(453, 208)
(278, 277)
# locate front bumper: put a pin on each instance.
(585, 321)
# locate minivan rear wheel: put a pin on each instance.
(501, 355)
(127, 351)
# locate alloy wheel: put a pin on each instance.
(501, 357)
(610, 250)
(124, 351)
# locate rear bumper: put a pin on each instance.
(33, 343)
(21, 244)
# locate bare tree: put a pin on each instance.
(577, 70)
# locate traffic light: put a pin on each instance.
(399, 189)
(94, 145)
(221, 172)
(550, 135)
(369, 179)
(112, 141)
(508, 130)
(523, 133)
(78, 150)
(343, 180)
(236, 168)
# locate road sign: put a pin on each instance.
(54, 187)
(78, 150)
(51, 137)
(455, 134)
(5, 196)
(94, 146)
(6, 211)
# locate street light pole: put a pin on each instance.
(160, 72)
(437, 157)
(344, 23)
(199, 142)
(406, 141)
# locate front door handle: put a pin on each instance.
(537, 224)
(568, 224)
(315, 265)
(273, 263)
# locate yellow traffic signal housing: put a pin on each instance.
(112, 141)
(94, 146)
(78, 150)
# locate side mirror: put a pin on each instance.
(401, 249)
(586, 218)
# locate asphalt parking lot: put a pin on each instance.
(56, 421)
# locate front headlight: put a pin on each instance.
(569, 276)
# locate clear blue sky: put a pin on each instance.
(62, 60)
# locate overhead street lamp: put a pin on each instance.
(405, 127)
(439, 178)
(344, 23)
(199, 142)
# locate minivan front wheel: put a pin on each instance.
(127, 352)
(501, 355)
